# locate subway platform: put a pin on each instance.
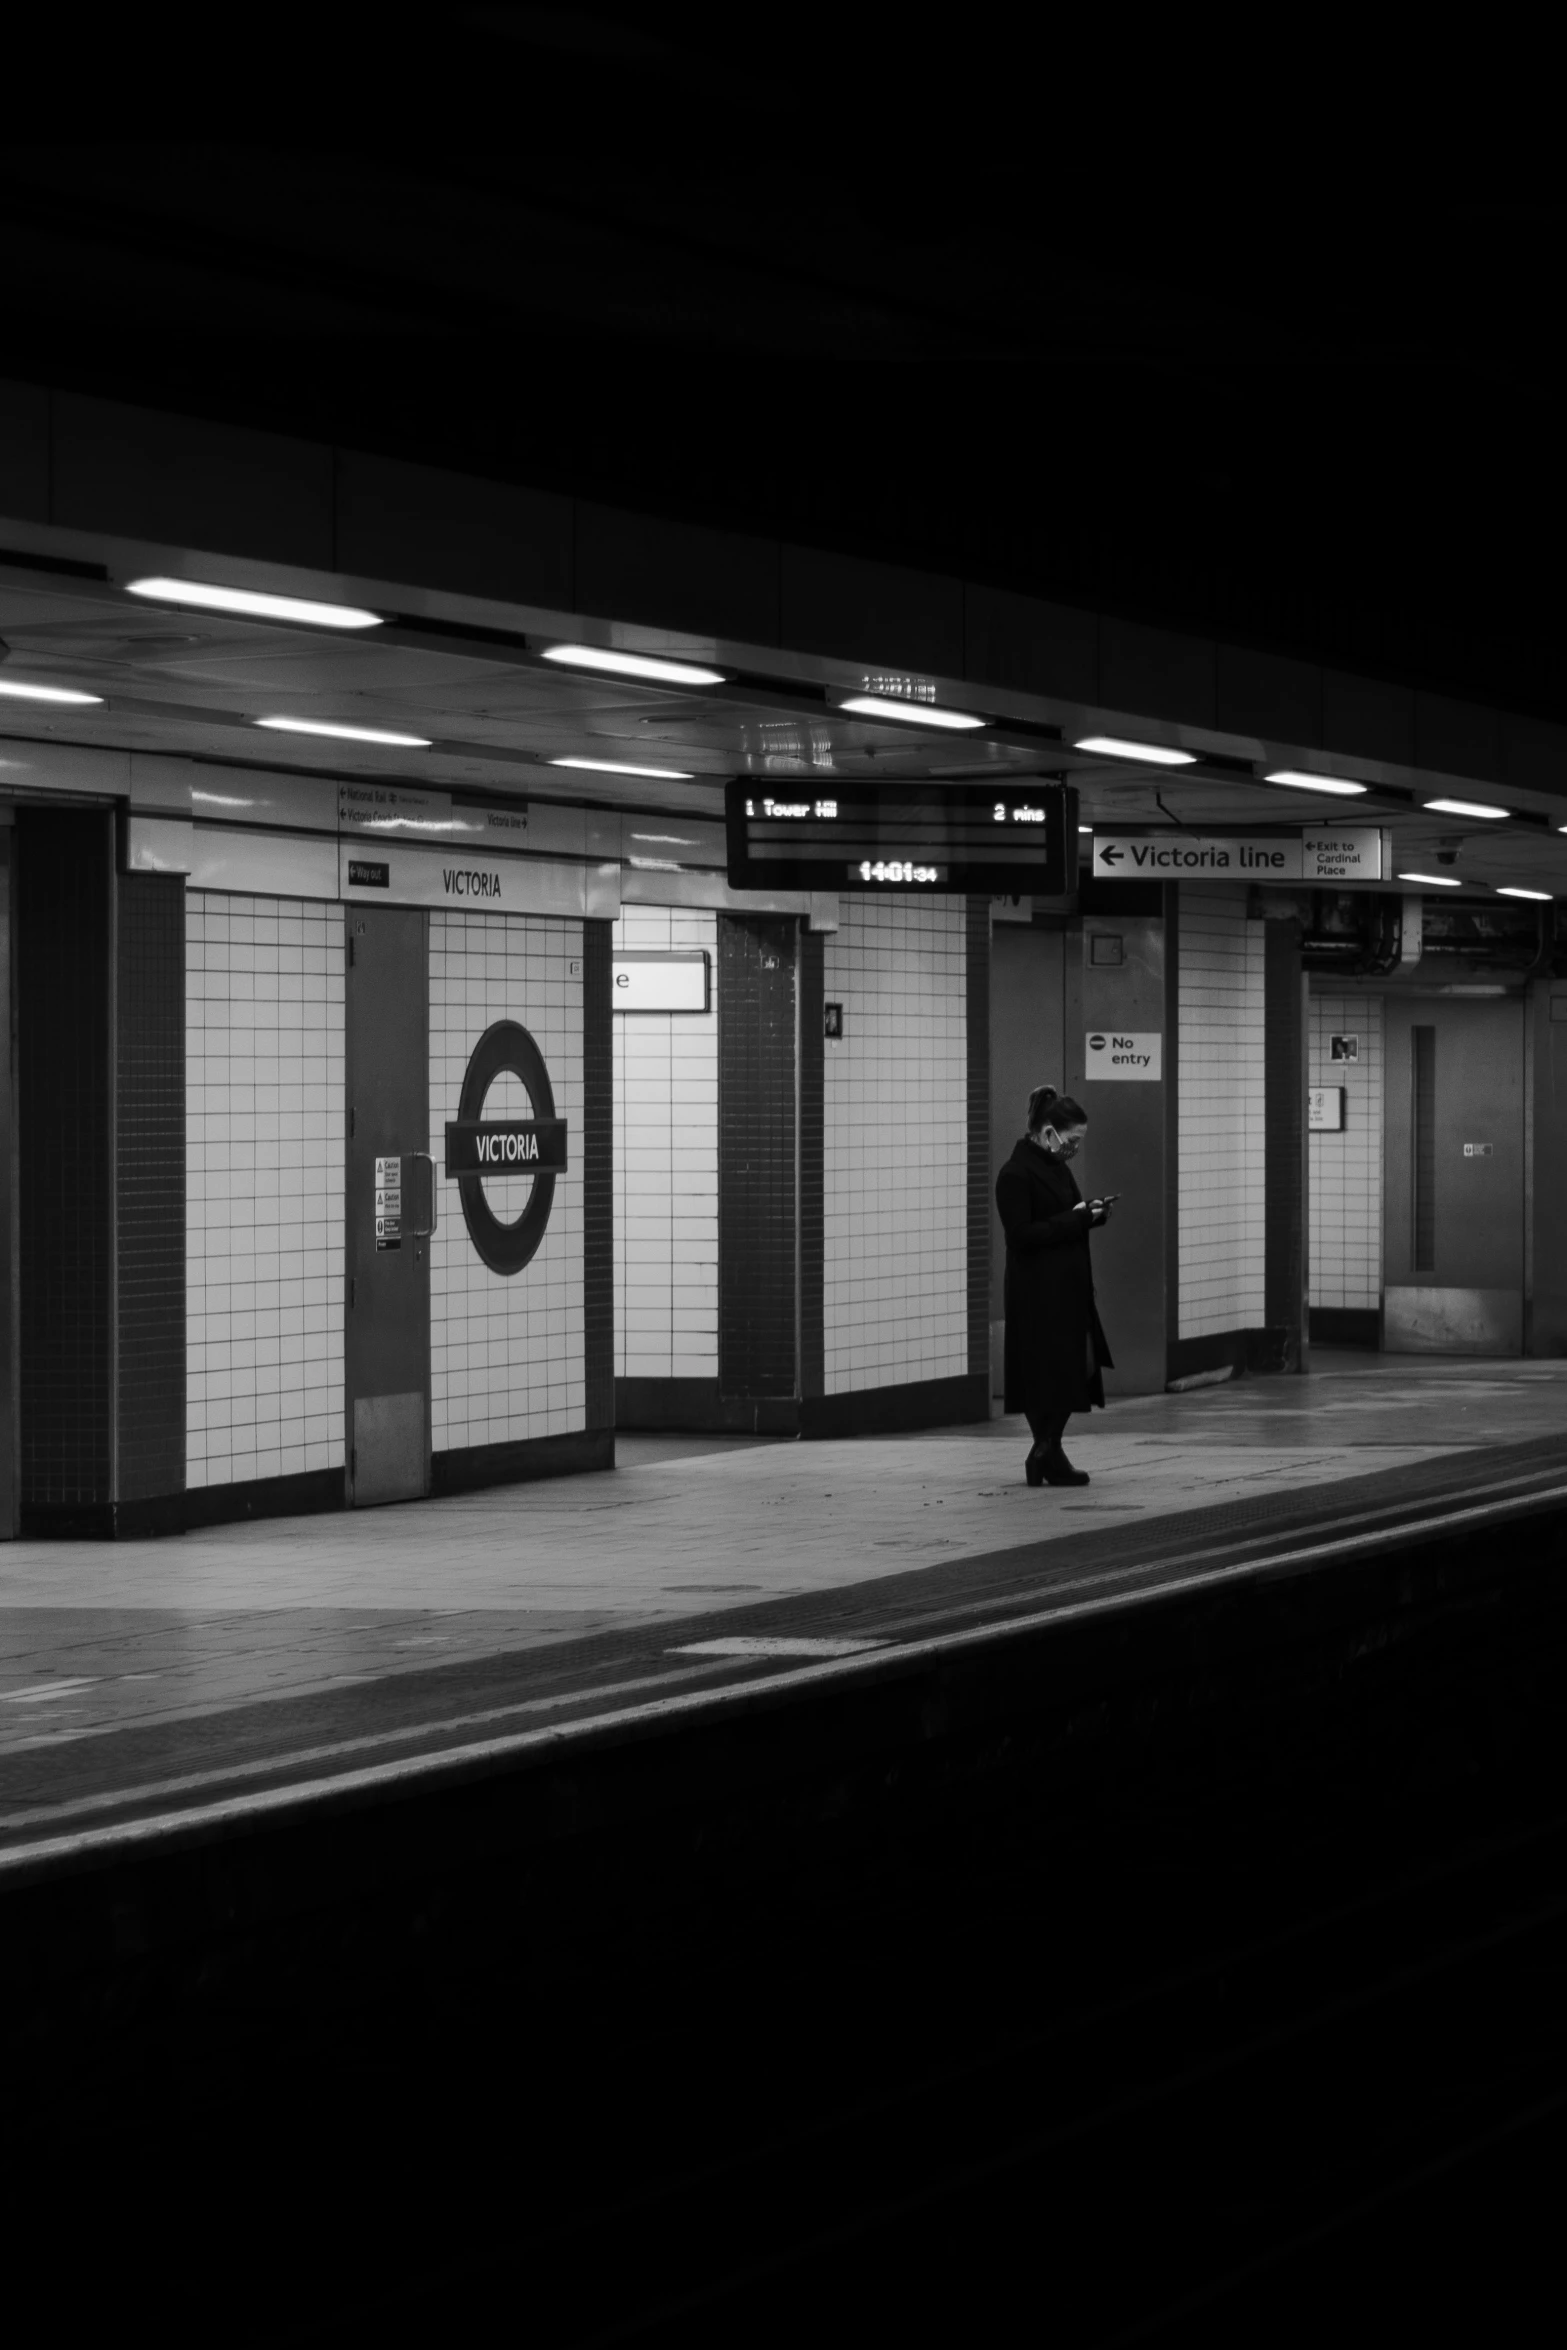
(785, 1876)
(152, 1688)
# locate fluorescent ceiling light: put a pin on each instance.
(253, 603)
(910, 713)
(44, 693)
(619, 767)
(657, 671)
(1465, 808)
(1152, 754)
(1298, 780)
(345, 734)
(1544, 895)
(1432, 880)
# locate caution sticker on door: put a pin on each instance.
(389, 1203)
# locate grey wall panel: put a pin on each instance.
(1032, 646)
(756, 1159)
(1157, 673)
(1457, 738)
(142, 474)
(1547, 1042)
(1025, 1032)
(813, 1163)
(1360, 715)
(979, 1204)
(65, 1091)
(1284, 1149)
(24, 452)
(9, 1250)
(1126, 1145)
(676, 575)
(449, 530)
(150, 1187)
(598, 1176)
(871, 611)
(1268, 694)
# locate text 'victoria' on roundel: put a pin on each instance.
(477, 1146)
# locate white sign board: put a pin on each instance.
(651, 982)
(1325, 1109)
(401, 811)
(393, 873)
(1121, 1058)
(1320, 854)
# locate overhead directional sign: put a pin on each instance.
(1320, 854)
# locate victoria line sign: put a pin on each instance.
(1320, 854)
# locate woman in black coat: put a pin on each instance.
(1055, 1347)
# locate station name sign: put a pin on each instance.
(1018, 837)
(506, 1146)
(1320, 854)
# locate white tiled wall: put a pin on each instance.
(1346, 1169)
(666, 1167)
(895, 1306)
(264, 1187)
(506, 1352)
(1222, 1107)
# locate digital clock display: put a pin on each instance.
(1009, 839)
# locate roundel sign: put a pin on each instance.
(477, 1146)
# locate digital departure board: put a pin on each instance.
(1008, 840)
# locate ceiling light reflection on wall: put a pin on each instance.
(620, 767)
(909, 713)
(345, 734)
(253, 603)
(44, 693)
(1465, 808)
(1299, 780)
(644, 665)
(1114, 746)
(1432, 880)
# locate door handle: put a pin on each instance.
(419, 1193)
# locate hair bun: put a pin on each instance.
(1049, 1102)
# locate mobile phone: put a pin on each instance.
(1108, 1198)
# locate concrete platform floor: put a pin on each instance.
(142, 1652)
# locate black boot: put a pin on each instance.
(1034, 1467)
(1056, 1469)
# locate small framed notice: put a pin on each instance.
(388, 1203)
(1325, 1109)
(1343, 1048)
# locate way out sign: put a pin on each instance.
(1121, 1058)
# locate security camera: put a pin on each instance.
(1447, 856)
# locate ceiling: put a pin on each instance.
(1228, 333)
(194, 684)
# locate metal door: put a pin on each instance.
(386, 1351)
(1453, 1189)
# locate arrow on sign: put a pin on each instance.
(1111, 855)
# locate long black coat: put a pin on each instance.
(1050, 1310)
